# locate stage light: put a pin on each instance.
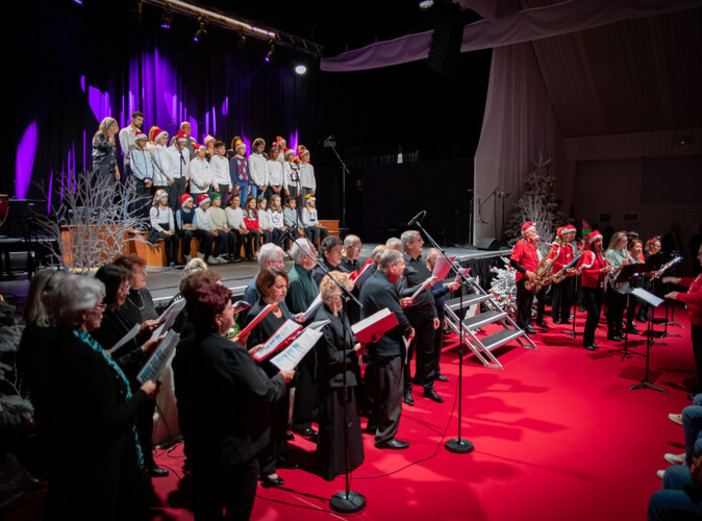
(166, 18)
(240, 41)
(268, 57)
(78, 2)
(301, 69)
(426, 4)
(201, 32)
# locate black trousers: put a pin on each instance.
(231, 488)
(387, 396)
(423, 345)
(592, 301)
(616, 304)
(525, 299)
(561, 299)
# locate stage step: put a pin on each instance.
(501, 338)
(483, 319)
(468, 300)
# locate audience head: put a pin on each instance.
(196, 264)
(394, 243)
(37, 308)
(209, 308)
(352, 247)
(272, 283)
(330, 292)
(302, 252)
(331, 250)
(392, 263)
(376, 253)
(270, 255)
(75, 301)
(653, 246)
(116, 281)
(197, 279)
(137, 269)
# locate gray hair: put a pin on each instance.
(389, 257)
(268, 252)
(407, 237)
(196, 264)
(349, 240)
(392, 242)
(37, 306)
(74, 294)
(376, 253)
(300, 249)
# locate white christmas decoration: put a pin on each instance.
(503, 287)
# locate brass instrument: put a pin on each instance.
(542, 272)
(563, 272)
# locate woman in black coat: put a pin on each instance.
(220, 388)
(338, 353)
(92, 411)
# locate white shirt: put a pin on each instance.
(204, 219)
(200, 176)
(288, 169)
(258, 169)
(181, 160)
(235, 217)
(163, 165)
(264, 222)
(127, 136)
(219, 168)
(275, 172)
(307, 178)
(276, 219)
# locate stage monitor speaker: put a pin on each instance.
(488, 243)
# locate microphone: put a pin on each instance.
(417, 218)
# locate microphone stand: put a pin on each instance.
(346, 501)
(330, 143)
(455, 445)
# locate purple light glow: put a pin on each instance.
(225, 107)
(26, 152)
(51, 189)
(82, 83)
(293, 142)
(99, 103)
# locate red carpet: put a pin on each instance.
(557, 435)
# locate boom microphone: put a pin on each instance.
(417, 218)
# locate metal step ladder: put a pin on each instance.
(490, 313)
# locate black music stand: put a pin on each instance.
(627, 274)
(653, 301)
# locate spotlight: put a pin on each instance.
(78, 2)
(426, 4)
(201, 32)
(301, 69)
(268, 57)
(240, 41)
(166, 18)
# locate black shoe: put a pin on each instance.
(442, 378)
(614, 337)
(157, 472)
(542, 324)
(267, 481)
(407, 398)
(530, 330)
(591, 347)
(633, 331)
(307, 431)
(433, 395)
(392, 443)
(289, 436)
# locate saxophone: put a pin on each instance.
(563, 272)
(542, 271)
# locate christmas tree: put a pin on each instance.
(538, 203)
(503, 287)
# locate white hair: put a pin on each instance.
(300, 249)
(74, 294)
(268, 252)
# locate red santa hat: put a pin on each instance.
(560, 230)
(201, 199)
(569, 228)
(197, 147)
(527, 227)
(158, 134)
(593, 236)
(140, 135)
(184, 199)
(181, 136)
(288, 151)
(279, 140)
(302, 150)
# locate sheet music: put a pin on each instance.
(288, 329)
(424, 286)
(168, 317)
(126, 338)
(257, 319)
(442, 266)
(647, 297)
(313, 307)
(295, 352)
(159, 359)
(379, 322)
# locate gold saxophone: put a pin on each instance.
(542, 272)
(563, 272)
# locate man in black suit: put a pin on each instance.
(422, 315)
(387, 355)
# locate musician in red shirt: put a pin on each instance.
(525, 260)
(693, 300)
(563, 291)
(593, 267)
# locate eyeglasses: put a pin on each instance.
(124, 288)
(101, 306)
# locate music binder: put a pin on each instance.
(376, 324)
(160, 357)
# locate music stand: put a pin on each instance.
(627, 274)
(653, 301)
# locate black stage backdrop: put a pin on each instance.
(71, 66)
